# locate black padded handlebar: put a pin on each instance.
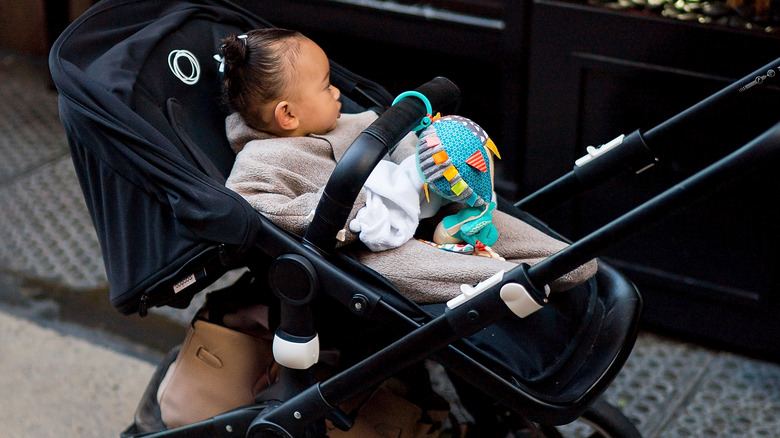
(640, 149)
(760, 153)
(376, 141)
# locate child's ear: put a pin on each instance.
(284, 117)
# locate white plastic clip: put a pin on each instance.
(469, 292)
(519, 301)
(595, 152)
(296, 355)
(221, 60)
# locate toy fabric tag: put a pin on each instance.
(477, 161)
(459, 187)
(450, 173)
(440, 157)
(492, 146)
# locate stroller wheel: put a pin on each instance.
(600, 420)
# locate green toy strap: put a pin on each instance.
(428, 118)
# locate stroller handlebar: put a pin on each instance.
(760, 153)
(364, 154)
(642, 149)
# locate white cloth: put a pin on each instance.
(392, 211)
(428, 206)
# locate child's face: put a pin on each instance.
(316, 100)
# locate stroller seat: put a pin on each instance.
(140, 102)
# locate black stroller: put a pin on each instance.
(139, 98)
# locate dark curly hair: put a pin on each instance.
(257, 69)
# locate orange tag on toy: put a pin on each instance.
(440, 157)
(450, 173)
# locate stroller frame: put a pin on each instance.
(295, 403)
(489, 302)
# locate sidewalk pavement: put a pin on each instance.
(71, 366)
(56, 385)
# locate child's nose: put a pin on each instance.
(336, 92)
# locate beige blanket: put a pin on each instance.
(283, 178)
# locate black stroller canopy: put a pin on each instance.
(161, 205)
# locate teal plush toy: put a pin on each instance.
(455, 160)
(471, 225)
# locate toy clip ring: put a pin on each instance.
(428, 118)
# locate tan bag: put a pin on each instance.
(217, 369)
(388, 414)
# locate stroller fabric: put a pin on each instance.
(153, 207)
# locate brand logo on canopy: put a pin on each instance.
(177, 61)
